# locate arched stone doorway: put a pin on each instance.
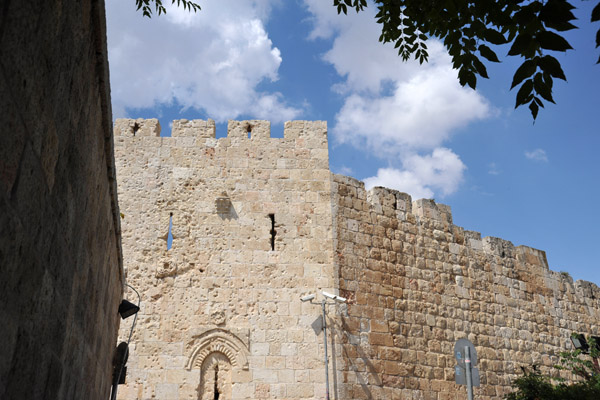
(222, 359)
(215, 378)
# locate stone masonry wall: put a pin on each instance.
(417, 283)
(60, 261)
(257, 222)
(251, 229)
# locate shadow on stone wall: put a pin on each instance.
(60, 255)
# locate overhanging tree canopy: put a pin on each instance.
(467, 28)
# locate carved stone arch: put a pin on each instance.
(220, 341)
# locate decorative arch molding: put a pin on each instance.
(221, 341)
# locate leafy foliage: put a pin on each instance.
(146, 7)
(468, 28)
(585, 368)
(535, 386)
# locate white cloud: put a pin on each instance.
(537, 155)
(399, 111)
(422, 106)
(422, 113)
(212, 60)
(493, 169)
(422, 176)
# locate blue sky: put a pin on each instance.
(394, 124)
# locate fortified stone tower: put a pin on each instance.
(251, 225)
(257, 222)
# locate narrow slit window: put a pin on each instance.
(273, 231)
(170, 234)
(216, 389)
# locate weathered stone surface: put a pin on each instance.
(222, 307)
(60, 260)
(442, 284)
(252, 233)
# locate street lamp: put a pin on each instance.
(336, 299)
(126, 309)
(580, 343)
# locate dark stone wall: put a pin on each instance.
(60, 256)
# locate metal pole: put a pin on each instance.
(326, 359)
(468, 373)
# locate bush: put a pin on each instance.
(535, 386)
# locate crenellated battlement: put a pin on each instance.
(426, 212)
(308, 134)
(193, 146)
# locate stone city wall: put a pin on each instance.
(418, 283)
(257, 222)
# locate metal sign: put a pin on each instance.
(460, 376)
(459, 352)
(465, 372)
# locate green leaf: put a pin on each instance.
(560, 26)
(494, 37)
(488, 53)
(540, 87)
(523, 72)
(538, 101)
(524, 94)
(472, 80)
(534, 109)
(481, 70)
(596, 13)
(548, 79)
(467, 77)
(552, 41)
(520, 44)
(552, 66)
(556, 11)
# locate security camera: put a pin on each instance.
(334, 297)
(308, 297)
